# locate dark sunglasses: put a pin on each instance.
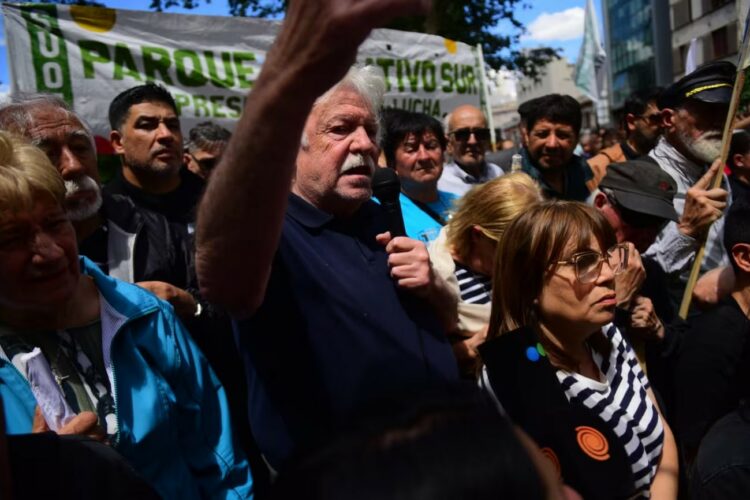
(206, 164)
(653, 118)
(463, 134)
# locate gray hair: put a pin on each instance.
(207, 136)
(610, 194)
(17, 116)
(365, 81)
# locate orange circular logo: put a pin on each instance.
(550, 455)
(593, 443)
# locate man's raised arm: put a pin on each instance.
(240, 217)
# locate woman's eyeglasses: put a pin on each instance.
(588, 264)
(463, 134)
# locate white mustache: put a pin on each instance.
(356, 161)
(83, 183)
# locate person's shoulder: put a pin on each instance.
(722, 465)
(125, 298)
(192, 182)
(611, 154)
(502, 159)
(494, 170)
(447, 195)
(726, 318)
(449, 168)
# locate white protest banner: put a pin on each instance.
(88, 55)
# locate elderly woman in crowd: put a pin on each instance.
(82, 353)
(559, 368)
(464, 254)
(413, 145)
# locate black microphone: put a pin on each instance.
(386, 188)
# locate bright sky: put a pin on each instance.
(551, 23)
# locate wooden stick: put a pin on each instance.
(726, 141)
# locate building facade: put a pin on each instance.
(638, 46)
(647, 41)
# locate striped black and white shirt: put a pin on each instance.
(475, 288)
(622, 402)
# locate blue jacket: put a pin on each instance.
(172, 413)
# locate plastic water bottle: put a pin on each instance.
(516, 163)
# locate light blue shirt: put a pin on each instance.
(456, 181)
(418, 223)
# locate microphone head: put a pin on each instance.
(385, 184)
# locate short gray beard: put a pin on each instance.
(83, 211)
(705, 147)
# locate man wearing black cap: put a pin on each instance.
(694, 110)
(636, 197)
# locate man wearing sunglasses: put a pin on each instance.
(641, 122)
(206, 143)
(468, 142)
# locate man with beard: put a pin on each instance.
(694, 110)
(550, 127)
(641, 122)
(127, 242)
(468, 142)
(146, 134)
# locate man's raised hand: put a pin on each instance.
(703, 204)
(324, 35)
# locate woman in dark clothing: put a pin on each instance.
(560, 369)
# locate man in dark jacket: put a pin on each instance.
(146, 135)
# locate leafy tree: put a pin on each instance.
(470, 21)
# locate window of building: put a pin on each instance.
(678, 59)
(711, 5)
(681, 13)
(721, 43)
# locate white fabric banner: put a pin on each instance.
(88, 55)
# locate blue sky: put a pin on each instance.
(552, 23)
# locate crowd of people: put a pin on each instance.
(236, 315)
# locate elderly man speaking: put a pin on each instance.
(334, 315)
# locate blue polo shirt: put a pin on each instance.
(334, 334)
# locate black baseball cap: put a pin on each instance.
(712, 82)
(642, 186)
